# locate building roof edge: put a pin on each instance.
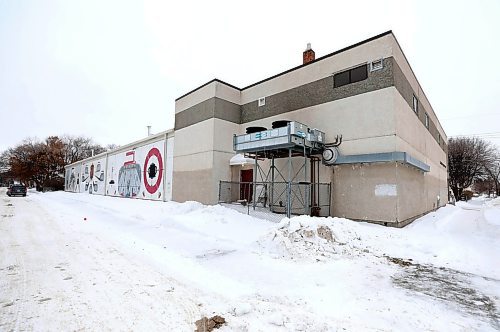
(292, 69)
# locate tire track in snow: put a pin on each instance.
(12, 266)
(95, 287)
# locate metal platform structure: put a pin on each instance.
(295, 138)
(288, 139)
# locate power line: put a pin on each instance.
(491, 134)
(472, 115)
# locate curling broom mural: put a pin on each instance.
(92, 178)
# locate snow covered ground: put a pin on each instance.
(82, 262)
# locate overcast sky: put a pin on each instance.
(107, 69)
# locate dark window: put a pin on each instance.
(415, 104)
(341, 79)
(359, 74)
(350, 76)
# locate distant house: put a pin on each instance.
(390, 167)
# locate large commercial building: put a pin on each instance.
(391, 164)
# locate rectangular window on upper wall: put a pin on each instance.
(341, 79)
(439, 138)
(359, 74)
(415, 104)
(426, 121)
(350, 76)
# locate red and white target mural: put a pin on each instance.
(153, 171)
(137, 172)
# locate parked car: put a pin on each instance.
(16, 189)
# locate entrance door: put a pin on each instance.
(246, 185)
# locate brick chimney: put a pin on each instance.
(308, 54)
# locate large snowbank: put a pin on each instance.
(306, 273)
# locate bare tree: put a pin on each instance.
(22, 160)
(39, 162)
(4, 168)
(492, 168)
(42, 162)
(79, 148)
(112, 146)
(467, 157)
(484, 186)
(4, 161)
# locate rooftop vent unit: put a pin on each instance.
(280, 123)
(251, 130)
(284, 135)
(376, 65)
(316, 135)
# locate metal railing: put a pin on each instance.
(279, 198)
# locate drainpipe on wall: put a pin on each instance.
(106, 176)
(164, 167)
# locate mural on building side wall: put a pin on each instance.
(129, 177)
(93, 177)
(111, 185)
(73, 179)
(153, 172)
(135, 173)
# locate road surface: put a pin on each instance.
(53, 278)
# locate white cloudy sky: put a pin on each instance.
(107, 69)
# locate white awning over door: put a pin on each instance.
(240, 160)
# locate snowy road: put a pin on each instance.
(53, 278)
(83, 262)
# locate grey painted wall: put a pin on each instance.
(314, 93)
(318, 92)
(210, 108)
(406, 91)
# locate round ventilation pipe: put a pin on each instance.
(280, 123)
(251, 130)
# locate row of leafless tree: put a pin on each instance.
(42, 162)
(473, 162)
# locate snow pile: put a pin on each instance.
(308, 237)
(303, 274)
(492, 216)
